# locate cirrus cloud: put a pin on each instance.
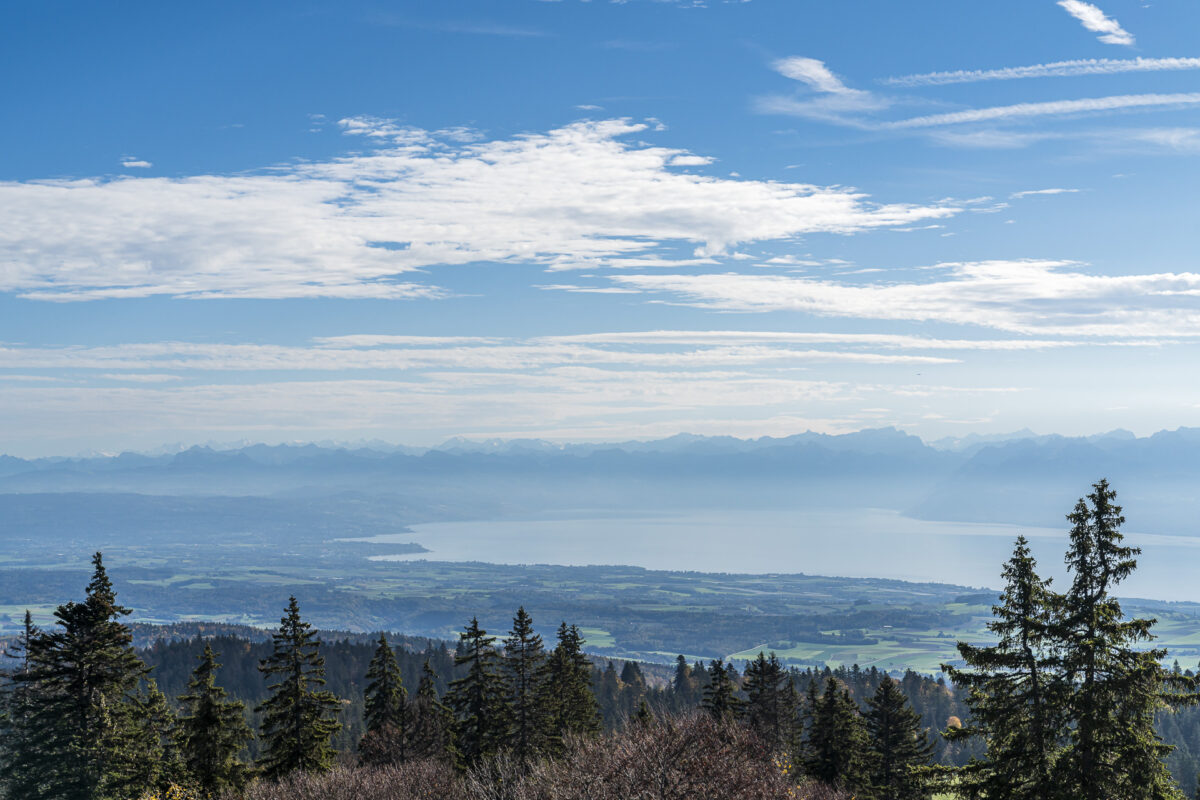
(1025, 297)
(403, 354)
(1051, 108)
(578, 196)
(814, 73)
(1054, 69)
(1095, 20)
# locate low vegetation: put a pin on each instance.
(667, 759)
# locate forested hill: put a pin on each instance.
(619, 686)
(965, 480)
(171, 652)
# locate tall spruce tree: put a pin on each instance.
(156, 762)
(720, 696)
(385, 709)
(632, 690)
(1016, 693)
(79, 682)
(432, 722)
(631, 675)
(19, 736)
(565, 686)
(212, 732)
(835, 745)
(896, 746)
(770, 707)
(1112, 748)
(699, 682)
(298, 717)
(478, 700)
(608, 688)
(801, 745)
(683, 685)
(523, 658)
(793, 741)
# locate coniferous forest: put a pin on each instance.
(1069, 700)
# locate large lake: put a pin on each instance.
(868, 543)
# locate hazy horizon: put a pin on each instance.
(949, 442)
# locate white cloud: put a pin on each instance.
(814, 73)
(840, 109)
(424, 389)
(1171, 140)
(135, 163)
(1055, 107)
(1182, 140)
(640, 262)
(30, 378)
(887, 341)
(378, 340)
(465, 403)
(793, 261)
(376, 353)
(852, 111)
(578, 195)
(443, 363)
(1026, 297)
(459, 133)
(1097, 21)
(990, 138)
(139, 377)
(835, 101)
(579, 401)
(690, 161)
(1034, 192)
(576, 289)
(1055, 69)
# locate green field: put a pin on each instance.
(628, 612)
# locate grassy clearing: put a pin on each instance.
(168, 581)
(598, 637)
(12, 617)
(631, 612)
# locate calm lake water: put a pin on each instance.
(869, 543)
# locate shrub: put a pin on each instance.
(671, 759)
(173, 792)
(414, 780)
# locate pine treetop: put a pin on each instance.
(478, 697)
(80, 727)
(523, 659)
(720, 696)
(896, 746)
(385, 695)
(212, 730)
(298, 720)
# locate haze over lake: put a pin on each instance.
(868, 543)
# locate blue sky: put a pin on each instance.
(595, 220)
